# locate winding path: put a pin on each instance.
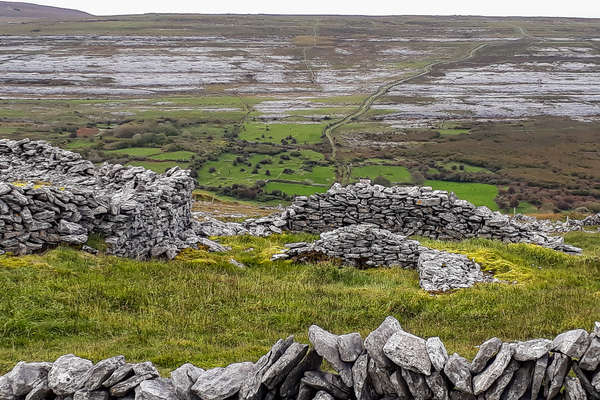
(368, 102)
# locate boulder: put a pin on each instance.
(222, 383)
(68, 374)
(437, 353)
(572, 343)
(350, 346)
(378, 338)
(487, 351)
(531, 349)
(100, 372)
(408, 351)
(156, 389)
(280, 368)
(183, 379)
(326, 344)
(485, 379)
(458, 371)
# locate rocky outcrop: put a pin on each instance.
(390, 363)
(64, 199)
(366, 245)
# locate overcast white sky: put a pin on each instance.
(570, 8)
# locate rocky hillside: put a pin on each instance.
(12, 9)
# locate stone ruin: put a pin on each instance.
(411, 210)
(366, 245)
(389, 363)
(64, 199)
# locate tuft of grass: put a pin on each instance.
(200, 308)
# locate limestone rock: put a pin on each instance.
(68, 374)
(155, 389)
(184, 378)
(222, 383)
(252, 388)
(378, 338)
(574, 390)
(100, 372)
(437, 353)
(360, 377)
(487, 351)
(440, 271)
(416, 385)
(40, 392)
(381, 379)
(350, 346)
(291, 384)
(408, 351)
(438, 386)
(572, 343)
(591, 358)
(26, 376)
(531, 349)
(326, 344)
(555, 375)
(519, 383)
(120, 374)
(539, 371)
(279, 370)
(458, 371)
(499, 385)
(332, 384)
(485, 379)
(93, 395)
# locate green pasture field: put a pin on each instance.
(201, 309)
(275, 132)
(480, 194)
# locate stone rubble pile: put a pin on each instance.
(411, 211)
(592, 220)
(389, 363)
(366, 245)
(142, 214)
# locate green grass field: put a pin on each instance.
(294, 188)
(480, 194)
(173, 156)
(159, 166)
(274, 133)
(226, 173)
(201, 309)
(395, 174)
(137, 151)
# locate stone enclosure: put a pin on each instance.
(64, 199)
(389, 363)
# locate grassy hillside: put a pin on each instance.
(202, 309)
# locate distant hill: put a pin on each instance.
(9, 9)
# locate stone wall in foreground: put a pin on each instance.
(411, 211)
(50, 196)
(389, 363)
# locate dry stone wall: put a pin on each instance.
(389, 363)
(411, 211)
(65, 199)
(366, 245)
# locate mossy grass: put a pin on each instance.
(200, 308)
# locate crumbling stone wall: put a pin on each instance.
(389, 363)
(66, 198)
(366, 246)
(410, 211)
